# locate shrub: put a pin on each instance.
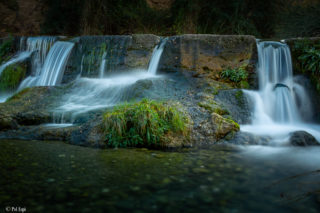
(235, 75)
(308, 55)
(144, 123)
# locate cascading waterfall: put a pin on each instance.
(53, 67)
(90, 94)
(40, 47)
(276, 110)
(35, 48)
(156, 56)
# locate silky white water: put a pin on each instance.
(281, 105)
(34, 49)
(89, 94)
(19, 57)
(156, 56)
(52, 70)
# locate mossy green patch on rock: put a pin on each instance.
(223, 126)
(213, 107)
(19, 94)
(11, 77)
(145, 124)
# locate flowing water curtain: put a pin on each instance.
(104, 56)
(156, 57)
(53, 68)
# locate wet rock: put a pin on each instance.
(245, 138)
(223, 126)
(237, 104)
(302, 138)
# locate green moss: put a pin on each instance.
(145, 123)
(239, 97)
(11, 77)
(244, 84)
(19, 94)
(213, 107)
(233, 122)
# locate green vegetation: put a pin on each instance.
(274, 18)
(307, 59)
(11, 77)
(19, 94)
(213, 107)
(145, 123)
(237, 76)
(239, 97)
(6, 48)
(309, 56)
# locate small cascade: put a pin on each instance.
(156, 56)
(279, 99)
(40, 47)
(91, 94)
(53, 67)
(33, 49)
(105, 57)
(16, 59)
(55, 63)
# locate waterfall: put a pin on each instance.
(53, 67)
(40, 47)
(90, 94)
(276, 103)
(16, 59)
(156, 56)
(55, 63)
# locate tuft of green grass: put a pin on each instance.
(11, 77)
(144, 123)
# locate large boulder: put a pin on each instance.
(302, 138)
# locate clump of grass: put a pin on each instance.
(11, 77)
(145, 123)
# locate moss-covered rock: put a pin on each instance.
(28, 107)
(223, 126)
(145, 124)
(12, 76)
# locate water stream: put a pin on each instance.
(33, 48)
(276, 110)
(52, 70)
(89, 94)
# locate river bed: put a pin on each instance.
(58, 177)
